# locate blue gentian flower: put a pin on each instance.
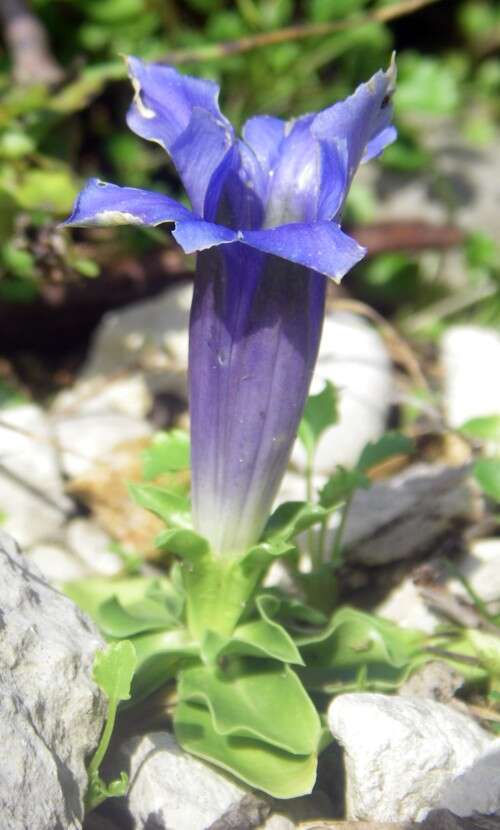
(265, 219)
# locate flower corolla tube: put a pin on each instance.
(265, 221)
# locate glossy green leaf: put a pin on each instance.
(320, 412)
(169, 452)
(486, 428)
(255, 699)
(173, 508)
(146, 615)
(340, 486)
(487, 474)
(160, 656)
(91, 592)
(360, 651)
(294, 611)
(387, 446)
(113, 671)
(184, 543)
(291, 518)
(264, 637)
(114, 668)
(258, 764)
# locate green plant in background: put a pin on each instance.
(313, 54)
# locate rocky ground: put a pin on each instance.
(421, 758)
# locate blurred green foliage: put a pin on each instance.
(50, 140)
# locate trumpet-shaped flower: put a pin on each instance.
(265, 219)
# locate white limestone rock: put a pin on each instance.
(90, 545)
(51, 712)
(470, 356)
(57, 563)
(32, 501)
(123, 394)
(354, 357)
(87, 439)
(151, 335)
(401, 753)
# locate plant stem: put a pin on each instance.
(95, 763)
(336, 559)
(215, 51)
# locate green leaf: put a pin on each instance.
(486, 428)
(53, 189)
(146, 615)
(291, 518)
(184, 543)
(218, 590)
(389, 445)
(160, 656)
(487, 474)
(169, 452)
(258, 764)
(426, 85)
(341, 486)
(90, 593)
(264, 637)
(293, 610)
(89, 83)
(19, 262)
(360, 651)
(173, 508)
(255, 699)
(114, 668)
(320, 413)
(9, 396)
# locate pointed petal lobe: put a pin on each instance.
(102, 203)
(320, 246)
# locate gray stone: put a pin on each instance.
(409, 514)
(171, 789)
(32, 499)
(469, 177)
(477, 790)
(479, 565)
(51, 712)
(401, 753)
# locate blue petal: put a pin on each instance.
(164, 101)
(320, 246)
(378, 144)
(182, 114)
(197, 153)
(101, 203)
(235, 194)
(333, 184)
(362, 120)
(198, 235)
(293, 192)
(264, 134)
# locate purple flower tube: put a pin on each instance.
(265, 221)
